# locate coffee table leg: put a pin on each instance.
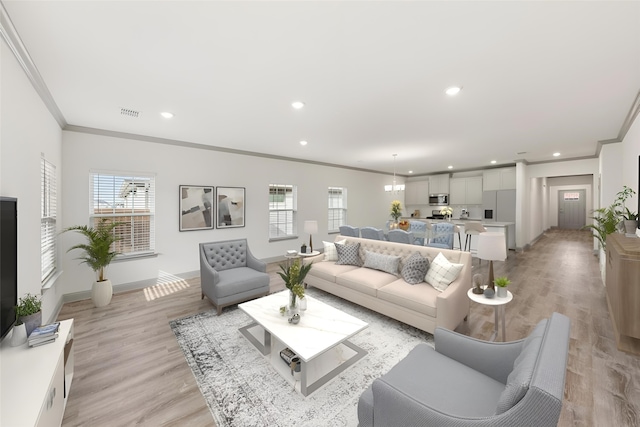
(263, 348)
(303, 378)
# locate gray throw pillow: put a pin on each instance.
(387, 263)
(415, 268)
(348, 254)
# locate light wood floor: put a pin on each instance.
(129, 369)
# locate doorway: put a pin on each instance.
(572, 209)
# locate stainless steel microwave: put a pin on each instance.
(438, 199)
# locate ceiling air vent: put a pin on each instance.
(129, 112)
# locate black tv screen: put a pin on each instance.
(8, 263)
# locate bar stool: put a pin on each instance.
(472, 229)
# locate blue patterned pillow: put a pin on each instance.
(415, 269)
(387, 263)
(348, 254)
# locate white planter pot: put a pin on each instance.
(19, 336)
(630, 226)
(501, 292)
(101, 293)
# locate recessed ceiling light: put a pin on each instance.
(297, 104)
(166, 114)
(556, 154)
(453, 90)
(493, 162)
(450, 167)
(410, 171)
(303, 142)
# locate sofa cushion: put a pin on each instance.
(348, 254)
(445, 385)
(415, 268)
(520, 377)
(387, 263)
(365, 280)
(330, 252)
(328, 270)
(420, 297)
(442, 272)
(242, 279)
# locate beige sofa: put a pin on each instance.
(418, 305)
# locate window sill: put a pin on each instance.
(278, 239)
(50, 282)
(124, 258)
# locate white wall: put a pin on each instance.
(630, 153)
(27, 130)
(368, 204)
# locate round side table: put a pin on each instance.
(499, 305)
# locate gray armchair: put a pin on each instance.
(230, 274)
(468, 382)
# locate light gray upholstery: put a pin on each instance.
(441, 235)
(419, 228)
(349, 230)
(230, 274)
(372, 233)
(400, 236)
(466, 382)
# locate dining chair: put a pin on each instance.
(372, 233)
(400, 236)
(349, 230)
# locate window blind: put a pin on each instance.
(337, 197)
(48, 208)
(282, 210)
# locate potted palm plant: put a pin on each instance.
(629, 219)
(606, 222)
(98, 254)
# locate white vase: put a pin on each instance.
(19, 336)
(630, 226)
(501, 291)
(101, 293)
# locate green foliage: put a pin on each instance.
(97, 251)
(621, 199)
(606, 222)
(502, 281)
(293, 276)
(28, 305)
(396, 210)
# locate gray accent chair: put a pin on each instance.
(230, 274)
(349, 230)
(400, 236)
(468, 382)
(419, 229)
(372, 233)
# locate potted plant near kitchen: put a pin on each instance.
(396, 213)
(501, 286)
(28, 316)
(98, 254)
(629, 219)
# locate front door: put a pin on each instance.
(572, 209)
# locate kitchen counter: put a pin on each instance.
(507, 228)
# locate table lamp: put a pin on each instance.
(311, 227)
(492, 247)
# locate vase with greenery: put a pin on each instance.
(501, 286)
(98, 252)
(605, 222)
(396, 213)
(628, 219)
(29, 312)
(293, 274)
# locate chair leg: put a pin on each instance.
(219, 310)
(202, 295)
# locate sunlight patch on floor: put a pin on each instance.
(166, 284)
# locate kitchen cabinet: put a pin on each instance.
(416, 193)
(499, 179)
(465, 191)
(439, 184)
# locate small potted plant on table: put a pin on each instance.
(501, 286)
(29, 312)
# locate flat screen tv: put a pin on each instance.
(8, 263)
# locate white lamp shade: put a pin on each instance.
(311, 227)
(492, 246)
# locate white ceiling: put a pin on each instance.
(537, 77)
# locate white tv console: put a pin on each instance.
(36, 381)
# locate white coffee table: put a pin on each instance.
(320, 339)
(498, 309)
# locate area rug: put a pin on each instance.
(243, 390)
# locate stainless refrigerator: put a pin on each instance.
(499, 205)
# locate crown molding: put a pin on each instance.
(11, 37)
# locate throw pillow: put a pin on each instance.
(442, 272)
(415, 268)
(330, 253)
(348, 254)
(387, 263)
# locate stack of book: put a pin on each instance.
(44, 334)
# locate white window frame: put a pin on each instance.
(283, 213)
(128, 198)
(48, 221)
(337, 214)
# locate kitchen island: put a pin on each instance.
(506, 228)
